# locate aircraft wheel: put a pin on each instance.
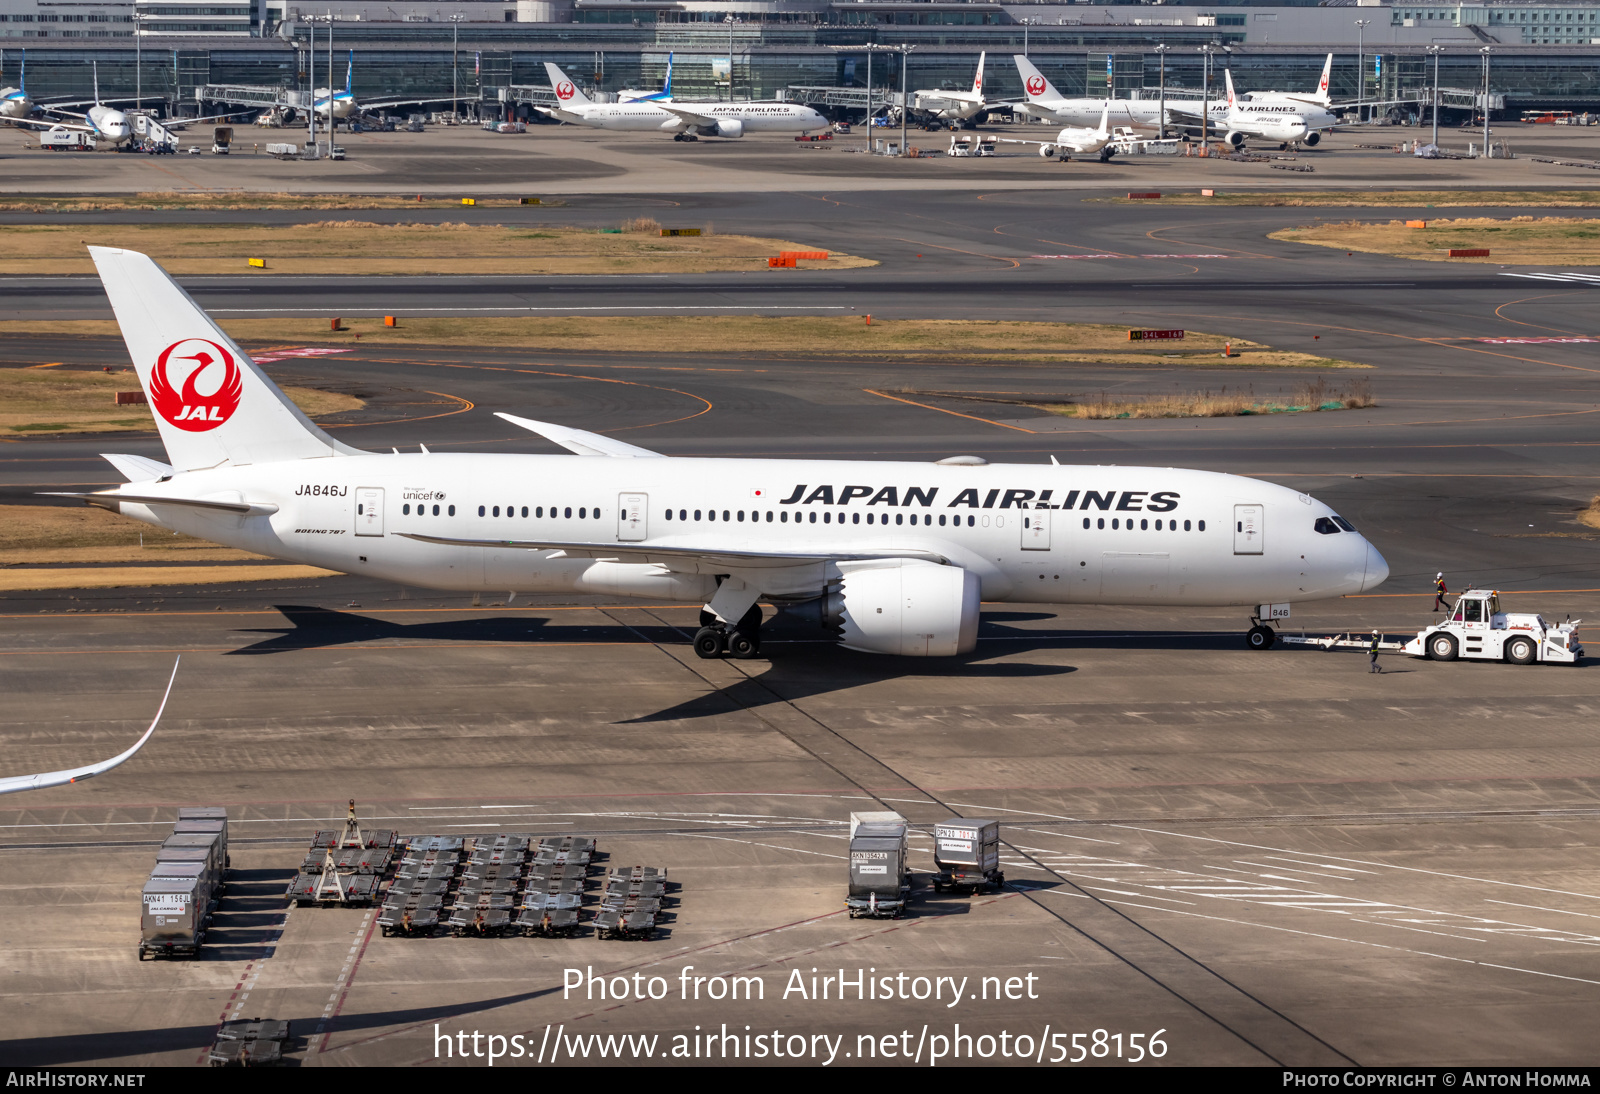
(1442, 647)
(743, 646)
(708, 644)
(1260, 638)
(1520, 651)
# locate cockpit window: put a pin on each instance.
(1342, 523)
(1326, 526)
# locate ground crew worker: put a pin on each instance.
(1438, 592)
(1372, 654)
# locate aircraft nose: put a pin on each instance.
(1377, 570)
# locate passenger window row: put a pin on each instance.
(537, 512)
(1144, 524)
(422, 510)
(685, 515)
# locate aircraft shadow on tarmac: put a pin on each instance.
(76, 1048)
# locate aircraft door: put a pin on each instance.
(1247, 529)
(1036, 530)
(369, 510)
(632, 517)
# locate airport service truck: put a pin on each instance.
(967, 853)
(221, 140)
(66, 140)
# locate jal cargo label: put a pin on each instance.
(195, 385)
(166, 903)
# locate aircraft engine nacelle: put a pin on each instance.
(1234, 139)
(1047, 150)
(910, 608)
(730, 127)
(1312, 139)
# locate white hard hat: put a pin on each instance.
(1374, 630)
(1438, 575)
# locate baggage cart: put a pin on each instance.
(173, 917)
(332, 887)
(880, 883)
(572, 871)
(256, 1029)
(419, 872)
(246, 1054)
(476, 871)
(206, 813)
(556, 885)
(967, 853)
(479, 922)
(548, 922)
(628, 926)
(416, 917)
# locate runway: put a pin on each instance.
(1268, 857)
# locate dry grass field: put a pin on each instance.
(843, 337)
(361, 248)
(1438, 199)
(47, 400)
(1524, 240)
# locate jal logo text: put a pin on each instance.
(565, 90)
(1035, 85)
(196, 385)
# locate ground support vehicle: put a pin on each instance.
(410, 913)
(880, 882)
(1475, 629)
(1478, 629)
(631, 904)
(66, 140)
(967, 853)
(255, 1042)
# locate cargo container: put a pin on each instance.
(187, 826)
(205, 857)
(967, 853)
(213, 843)
(880, 883)
(173, 917)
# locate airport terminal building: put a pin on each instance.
(1540, 55)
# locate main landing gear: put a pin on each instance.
(716, 639)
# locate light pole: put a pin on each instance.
(455, 72)
(1026, 23)
(1486, 50)
(1205, 99)
(138, 60)
(905, 102)
(311, 83)
(1435, 51)
(1161, 51)
(1361, 66)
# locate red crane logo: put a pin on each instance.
(204, 396)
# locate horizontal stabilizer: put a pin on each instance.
(137, 468)
(581, 441)
(111, 499)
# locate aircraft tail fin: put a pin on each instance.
(977, 81)
(211, 403)
(567, 92)
(349, 71)
(1324, 85)
(666, 89)
(22, 74)
(95, 67)
(1105, 121)
(1233, 101)
(1037, 88)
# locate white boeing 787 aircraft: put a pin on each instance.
(896, 555)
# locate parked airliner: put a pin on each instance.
(685, 121)
(894, 556)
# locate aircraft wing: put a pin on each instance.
(77, 774)
(653, 553)
(32, 124)
(581, 441)
(690, 116)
